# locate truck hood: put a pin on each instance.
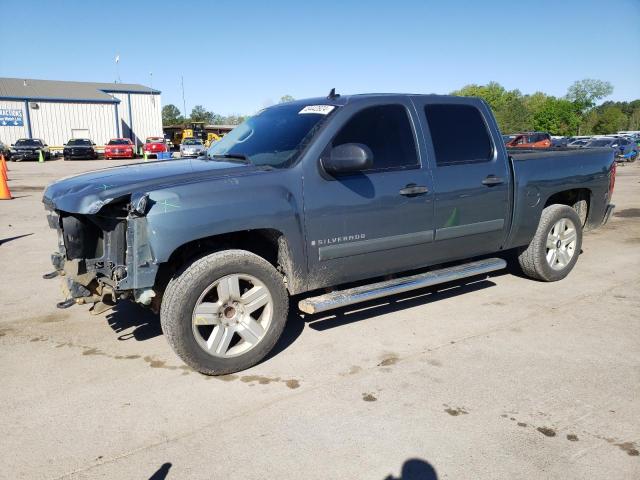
(87, 193)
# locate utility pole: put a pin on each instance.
(118, 69)
(184, 105)
(153, 98)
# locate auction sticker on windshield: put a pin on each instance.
(320, 109)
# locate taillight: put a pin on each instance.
(612, 179)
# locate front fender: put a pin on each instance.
(182, 214)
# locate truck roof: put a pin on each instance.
(341, 100)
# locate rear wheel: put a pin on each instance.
(224, 312)
(555, 247)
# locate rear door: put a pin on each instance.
(471, 177)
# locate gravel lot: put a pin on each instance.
(501, 377)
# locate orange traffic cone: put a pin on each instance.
(4, 163)
(5, 194)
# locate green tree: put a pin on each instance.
(508, 106)
(576, 112)
(171, 115)
(286, 98)
(556, 116)
(201, 114)
(233, 119)
(513, 115)
(634, 119)
(585, 93)
(611, 120)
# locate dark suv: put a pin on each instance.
(29, 149)
(81, 148)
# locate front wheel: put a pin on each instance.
(224, 312)
(555, 247)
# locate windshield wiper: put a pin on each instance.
(232, 156)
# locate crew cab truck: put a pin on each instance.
(330, 199)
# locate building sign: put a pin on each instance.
(10, 117)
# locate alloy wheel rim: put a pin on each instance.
(232, 315)
(561, 244)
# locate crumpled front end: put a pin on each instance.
(104, 256)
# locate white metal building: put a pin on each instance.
(56, 111)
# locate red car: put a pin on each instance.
(155, 145)
(119, 148)
(530, 140)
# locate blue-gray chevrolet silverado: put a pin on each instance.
(335, 200)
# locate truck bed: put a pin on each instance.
(539, 172)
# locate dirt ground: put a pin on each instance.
(500, 377)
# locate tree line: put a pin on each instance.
(576, 113)
(171, 115)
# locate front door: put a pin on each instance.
(374, 222)
(471, 177)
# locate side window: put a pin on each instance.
(459, 134)
(386, 130)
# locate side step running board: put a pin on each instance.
(342, 298)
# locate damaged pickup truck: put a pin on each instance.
(329, 200)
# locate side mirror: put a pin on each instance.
(348, 158)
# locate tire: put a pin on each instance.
(534, 259)
(201, 281)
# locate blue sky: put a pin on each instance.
(237, 57)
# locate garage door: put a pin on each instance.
(80, 133)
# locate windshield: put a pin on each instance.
(79, 141)
(26, 142)
(155, 140)
(274, 136)
(192, 141)
(118, 142)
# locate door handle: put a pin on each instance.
(413, 190)
(492, 180)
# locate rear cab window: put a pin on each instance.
(387, 131)
(459, 134)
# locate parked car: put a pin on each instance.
(310, 197)
(530, 140)
(155, 145)
(578, 143)
(192, 147)
(623, 149)
(29, 149)
(79, 148)
(119, 148)
(559, 142)
(628, 149)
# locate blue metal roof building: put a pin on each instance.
(56, 111)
